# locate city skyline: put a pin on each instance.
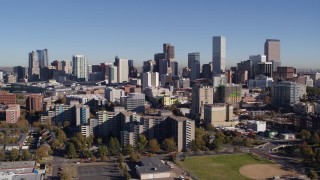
(99, 35)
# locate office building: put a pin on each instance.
(201, 95)
(34, 102)
(257, 126)
(284, 73)
(265, 68)
(57, 64)
(122, 69)
(229, 93)
(34, 70)
(80, 67)
(286, 94)
(206, 71)
(157, 58)
(194, 65)
(218, 55)
(219, 115)
(7, 98)
(19, 72)
(174, 65)
(150, 79)
(133, 102)
(272, 52)
(256, 60)
(168, 49)
(182, 130)
(148, 66)
(10, 113)
(82, 114)
(67, 67)
(260, 82)
(43, 58)
(108, 124)
(114, 94)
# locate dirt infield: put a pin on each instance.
(264, 171)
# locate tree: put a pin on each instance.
(65, 176)
(314, 139)
(127, 149)
(305, 135)
(142, 143)
(306, 151)
(102, 151)
(60, 135)
(93, 159)
(114, 146)
(126, 173)
(121, 158)
(71, 150)
(104, 158)
(55, 144)
(2, 155)
(153, 146)
(133, 157)
(42, 152)
(26, 155)
(312, 174)
(99, 140)
(14, 154)
(169, 145)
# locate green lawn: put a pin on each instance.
(220, 166)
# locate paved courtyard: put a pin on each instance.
(99, 172)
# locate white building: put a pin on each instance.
(113, 74)
(261, 82)
(114, 94)
(1, 76)
(150, 79)
(258, 126)
(219, 79)
(133, 102)
(123, 69)
(80, 67)
(218, 54)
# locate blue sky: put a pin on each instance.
(137, 29)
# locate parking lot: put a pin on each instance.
(99, 172)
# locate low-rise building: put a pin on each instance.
(10, 113)
(153, 168)
(219, 115)
(257, 126)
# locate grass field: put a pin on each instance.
(220, 166)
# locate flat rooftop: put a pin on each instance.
(152, 165)
(16, 165)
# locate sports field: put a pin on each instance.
(228, 167)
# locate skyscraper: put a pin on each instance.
(272, 51)
(123, 69)
(43, 58)
(168, 49)
(194, 65)
(80, 67)
(218, 54)
(34, 70)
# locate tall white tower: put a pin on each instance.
(80, 67)
(123, 69)
(218, 54)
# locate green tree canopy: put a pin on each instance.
(71, 150)
(169, 145)
(114, 146)
(153, 146)
(142, 143)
